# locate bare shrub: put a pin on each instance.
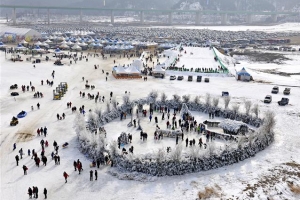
(294, 188)
(186, 98)
(215, 102)
(226, 101)
(163, 97)
(248, 105)
(255, 109)
(208, 192)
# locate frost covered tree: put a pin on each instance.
(185, 110)
(79, 124)
(269, 122)
(108, 109)
(176, 97)
(186, 98)
(92, 121)
(194, 152)
(152, 96)
(215, 101)
(207, 99)
(197, 100)
(126, 100)
(255, 110)
(235, 108)
(98, 113)
(248, 105)
(226, 101)
(113, 149)
(114, 103)
(176, 154)
(163, 98)
(161, 155)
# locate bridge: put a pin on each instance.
(197, 13)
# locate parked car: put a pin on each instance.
(172, 78)
(287, 91)
(275, 90)
(268, 99)
(225, 94)
(199, 78)
(14, 94)
(180, 78)
(206, 80)
(190, 78)
(283, 101)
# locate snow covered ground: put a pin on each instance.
(268, 174)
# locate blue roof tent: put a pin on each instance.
(243, 75)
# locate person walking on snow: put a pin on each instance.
(30, 192)
(45, 193)
(96, 175)
(91, 175)
(66, 176)
(17, 160)
(25, 169)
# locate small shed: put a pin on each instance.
(233, 127)
(243, 75)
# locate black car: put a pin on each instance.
(190, 78)
(172, 78)
(206, 80)
(180, 78)
(199, 78)
(14, 94)
(283, 102)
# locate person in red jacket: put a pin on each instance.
(66, 176)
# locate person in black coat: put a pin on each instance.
(96, 175)
(91, 175)
(30, 192)
(25, 169)
(17, 160)
(36, 192)
(45, 193)
(75, 165)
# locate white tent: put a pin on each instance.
(119, 70)
(64, 46)
(243, 75)
(76, 47)
(23, 42)
(2, 45)
(138, 64)
(48, 41)
(20, 47)
(38, 43)
(131, 70)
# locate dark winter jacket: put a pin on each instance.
(45, 191)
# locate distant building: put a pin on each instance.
(12, 34)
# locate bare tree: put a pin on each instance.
(215, 102)
(248, 105)
(163, 97)
(176, 97)
(197, 100)
(269, 121)
(226, 101)
(207, 99)
(255, 110)
(235, 108)
(186, 98)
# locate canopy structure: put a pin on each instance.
(47, 41)
(2, 45)
(243, 75)
(159, 69)
(23, 42)
(138, 64)
(64, 46)
(130, 72)
(37, 48)
(76, 47)
(20, 47)
(38, 43)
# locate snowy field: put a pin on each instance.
(267, 175)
